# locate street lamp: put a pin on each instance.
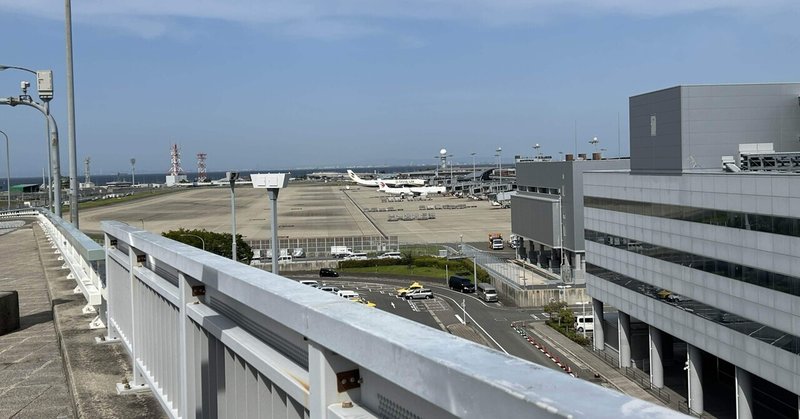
(232, 177)
(500, 165)
(44, 83)
(473, 167)
(8, 171)
(562, 293)
(273, 183)
(195, 235)
(538, 153)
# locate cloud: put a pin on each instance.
(338, 19)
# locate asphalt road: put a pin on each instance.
(492, 320)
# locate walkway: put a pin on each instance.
(39, 377)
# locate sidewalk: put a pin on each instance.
(576, 352)
(32, 378)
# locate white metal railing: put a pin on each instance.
(81, 255)
(215, 338)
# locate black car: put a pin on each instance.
(328, 272)
(461, 284)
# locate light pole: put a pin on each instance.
(8, 171)
(273, 183)
(133, 172)
(44, 82)
(232, 177)
(500, 165)
(473, 167)
(195, 235)
(461, 243)
(73, 157)
(562, 291)
(538, 153)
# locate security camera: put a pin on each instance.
(24, 85)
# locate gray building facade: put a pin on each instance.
(547, 212)
(703, 256)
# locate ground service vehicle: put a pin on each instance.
(496, 241)
(419, 293)
(340, 251)
(486, 292)
(402, 291)
(328, 272)
(584, 323)
(460, 284)
(350, 295)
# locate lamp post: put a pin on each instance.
(500, 165)
(44, 87)
(73, 157)
(273, 183)
(232, 177)
(8, 171)
(562, 291)
(473, 167)
(195, 235)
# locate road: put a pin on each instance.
(493, 320)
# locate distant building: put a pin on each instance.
(699, 243)
(547, 212)
(26, 188)
(173, 180)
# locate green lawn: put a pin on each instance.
(402, 270)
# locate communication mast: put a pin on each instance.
(175, 159)
(201, 167)
(133, 172)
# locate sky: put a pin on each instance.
(270, 84)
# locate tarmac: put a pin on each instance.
(309, 209)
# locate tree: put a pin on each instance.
(217, 243)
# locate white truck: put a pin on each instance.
(340, 251)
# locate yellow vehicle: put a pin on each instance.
(366, 302)
(402, 291)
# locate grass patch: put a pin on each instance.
(401, 270)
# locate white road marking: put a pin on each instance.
(392, 302)
(460, 320)
(534, 316)
(476, 324)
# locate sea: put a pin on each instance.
(161, 177)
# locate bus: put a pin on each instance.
(486, 292)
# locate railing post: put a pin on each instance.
(133, 256)
(323, 366)
(187, 375)
(107, 300)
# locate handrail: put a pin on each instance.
(189, 317)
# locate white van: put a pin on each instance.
(285, 258)
(486, 292)
(584, 323)
(356, 256)
(350, 295)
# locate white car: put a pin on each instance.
(391, 255)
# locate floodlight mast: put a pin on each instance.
(273, 183)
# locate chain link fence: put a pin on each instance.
(320, 247)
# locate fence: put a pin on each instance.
(84, 258)
(320, 247)
(212, 337)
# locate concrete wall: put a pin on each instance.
(696, 125)
(533, 222)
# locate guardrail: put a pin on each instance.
(84, 258)
(211, 337)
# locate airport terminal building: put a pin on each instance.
(698, 244)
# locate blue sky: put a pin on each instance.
(308, 83)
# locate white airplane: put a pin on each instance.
(392, 182)
(401, 190)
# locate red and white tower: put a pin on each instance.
(175, 159)
(201, 167)
(175, 174)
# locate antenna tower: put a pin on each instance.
(201, 167)
(175, 158)
(87, 177)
